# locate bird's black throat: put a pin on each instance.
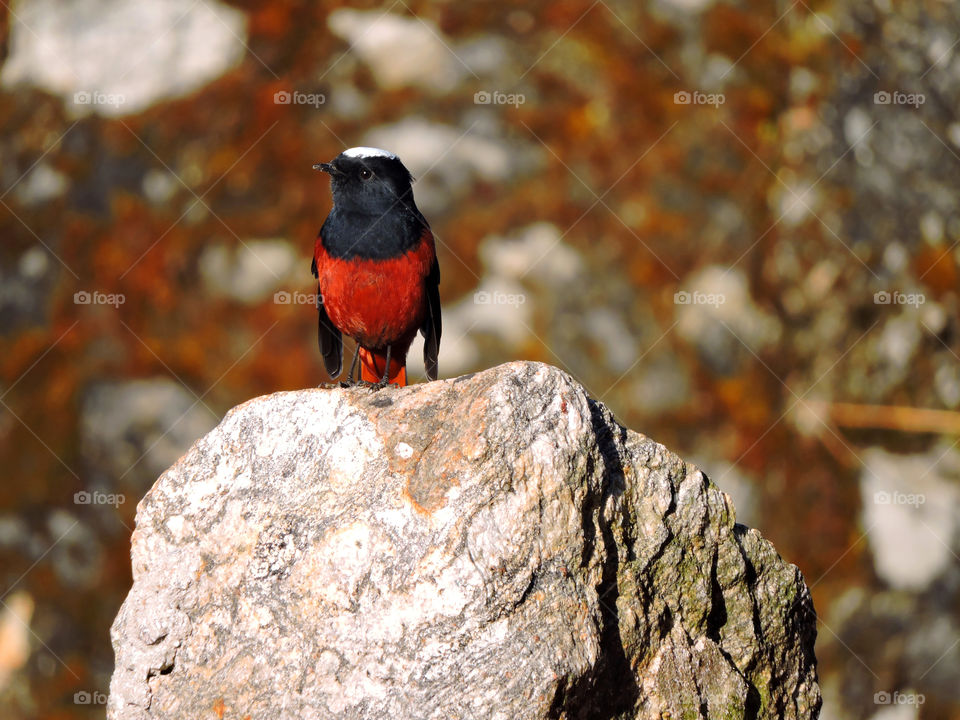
(348, 234)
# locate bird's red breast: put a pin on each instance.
(378, 302)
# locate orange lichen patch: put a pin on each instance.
(202, 568)
(408, 493)
(428, 494)
(219, 708)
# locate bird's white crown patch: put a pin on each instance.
(367, 152)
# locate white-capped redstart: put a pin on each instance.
(376, 269)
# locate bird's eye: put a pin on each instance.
(365, 174)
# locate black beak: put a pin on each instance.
(328, 168)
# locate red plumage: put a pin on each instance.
(380, 303)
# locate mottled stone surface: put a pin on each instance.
(492, 546)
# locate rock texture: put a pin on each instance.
(493, 546)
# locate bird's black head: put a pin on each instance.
(368, 181)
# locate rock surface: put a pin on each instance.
(492, 546)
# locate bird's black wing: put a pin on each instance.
(328, 337)
(431, 322)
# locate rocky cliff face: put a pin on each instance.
(492, 546)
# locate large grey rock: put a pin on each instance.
(493, 546)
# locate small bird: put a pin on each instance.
(376, 268)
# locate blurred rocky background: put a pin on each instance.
(735, 223)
